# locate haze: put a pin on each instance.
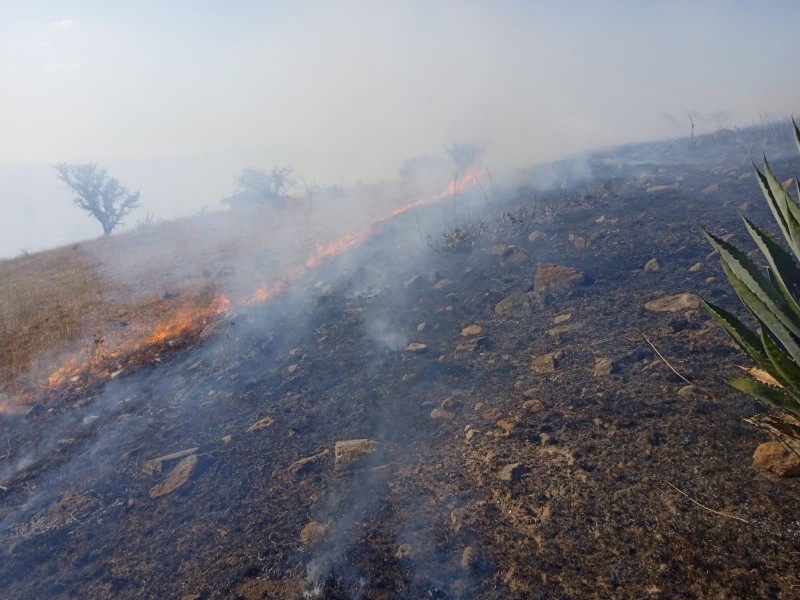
(178, 97)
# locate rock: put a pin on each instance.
(466, 348)
(509, 255)
(506, 425)
(434, 277)
(544, 364)
(308, 463)
(468, 557)
(312, 532)
(267, 589)
(695, 267)
(512, 472)
(348, 452)
(68, 507)
(416, 283)
(471, 330)
(416, 348)
(479, 406)
(535, 235)
(470, 432)
(531, 393)
(421, 327)
(714, 187)
(153, 466)
(603, 367)
(558, 279)
(261, 424)
(449, 403)
(689, 391)
(516, 306)
(191, 597)
(579, 242)
(652, 265)
(292, 368)
(176, 478)
(676, 303)
(403, 551)
(533, 405)
(564, 329)
(440, 414)
(662, 188)
(562, 318)
(777, 458)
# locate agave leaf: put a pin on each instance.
(762, 376)
(746, 339)
(769, 395)
(789, 208)
(785, 366)
(767, 303)
(761, 311)
(787, 275)
(796, 134)
(789, 225)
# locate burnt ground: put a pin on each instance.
(497, 474)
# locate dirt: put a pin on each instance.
(491, 472)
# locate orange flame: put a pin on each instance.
(190, 319)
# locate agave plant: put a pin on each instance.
(772, 296)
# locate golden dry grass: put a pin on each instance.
(59, 304)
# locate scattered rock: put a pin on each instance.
(292, 368)
(448, 403)
(512, 472)
(662, 188)
(689, 391)
(506, 425)
(267, 589)
(535, 235)
(348, 452)
(777, 458)
(557, 279)
(466, 348)
(530, 393)
(470, 432)
(416, 348)
(471, 330)
(562, 318)
(176, 478)
(261, 424)
(468, 557)
(603, 367)
(534, 405)
(416, 283)
(695, 267)
(308, 463)
(440, 414)
(516, 306)
(564, 329)
(714, 187)
(652, 265)
(479, 406)
(312, 532)
(509, 255)
(676, 303)
(153, 466)
(421, 327)
(404, 551)
(544, 364)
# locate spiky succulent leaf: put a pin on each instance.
(788, 207)
(796, 134)
(746, 339)
(761, 311)
(785, 271)
(787, 370)
(789, 226)
(769, 395)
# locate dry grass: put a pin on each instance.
(61, 303)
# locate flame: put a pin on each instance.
(108, 358)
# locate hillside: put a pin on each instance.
(459, 398)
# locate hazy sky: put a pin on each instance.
(348, 90)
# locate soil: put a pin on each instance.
(545, 454)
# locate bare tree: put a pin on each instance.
(261, 187)
(98, 194)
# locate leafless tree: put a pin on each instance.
(98, 194)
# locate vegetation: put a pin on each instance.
(98, 194)
(260, 187)
(773, 298)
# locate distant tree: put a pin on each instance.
(98, 194)
(311, 189)
(262, 187)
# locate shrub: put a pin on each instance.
(773, 298)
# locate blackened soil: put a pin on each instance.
(523, 484)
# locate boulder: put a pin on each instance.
(557, 279)
(777, 458)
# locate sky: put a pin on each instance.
(347, 90)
